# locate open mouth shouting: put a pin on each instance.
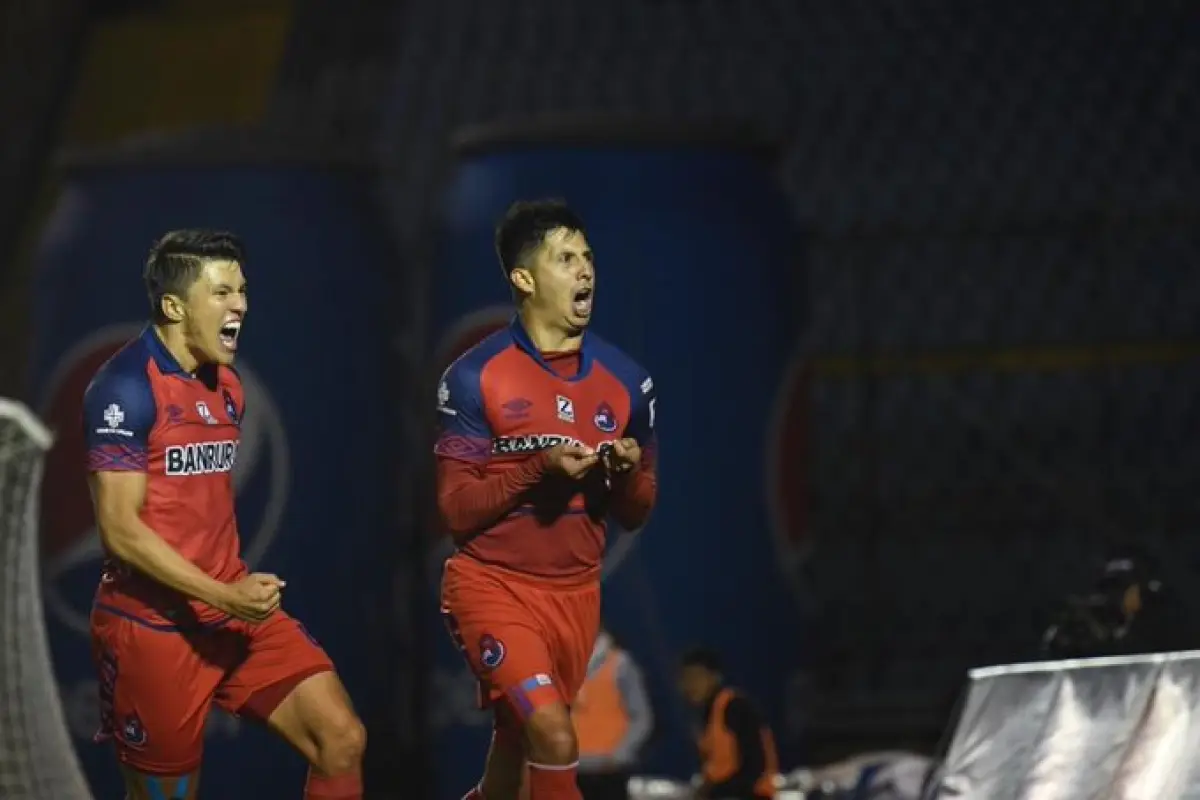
(229, 333)
(581, 302)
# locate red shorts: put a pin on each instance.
(527, 640)
(157, 683)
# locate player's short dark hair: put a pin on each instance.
(525, 225)
(176, 259)
(701, 657)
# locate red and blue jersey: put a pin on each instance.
(143, 412)
(502, 402)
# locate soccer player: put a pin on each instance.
(178, 623)
(546, 432)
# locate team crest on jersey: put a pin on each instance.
(133, 733)
(491, 651)
(201, 458)
(205, 414)
(230, 406)
(605, 418)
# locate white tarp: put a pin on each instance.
(1123, 728)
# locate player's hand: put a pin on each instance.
(626, 454)
(255, 597)
(572, 460)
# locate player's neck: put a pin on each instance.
(173, 339)
(550, 338)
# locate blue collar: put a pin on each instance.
(167, 363)
(521, 338)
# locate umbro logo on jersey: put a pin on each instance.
(517, 408)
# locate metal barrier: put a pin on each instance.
(1124, 728)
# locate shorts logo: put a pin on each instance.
(605, 418)
(132, 732)
(491, 651)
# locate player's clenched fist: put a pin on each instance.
(255, 597)
(572, 460)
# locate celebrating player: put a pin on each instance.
(546, 431)
(177, 623)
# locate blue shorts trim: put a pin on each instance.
(165, 627)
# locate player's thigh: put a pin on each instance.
(509, 655)
(576, 620)
(287, 681)
(155, 692)
(280, 654)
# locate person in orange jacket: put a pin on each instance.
(613, 720)
(738, 760)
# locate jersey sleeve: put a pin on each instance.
(118, 414)
(463, 430)
(636, 492)
(642, 414)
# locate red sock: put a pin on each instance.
(339, 787)
(553, 783)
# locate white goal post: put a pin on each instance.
(37, 760)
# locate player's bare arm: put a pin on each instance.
(118, 498)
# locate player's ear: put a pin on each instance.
(172, 307)
(522, 280)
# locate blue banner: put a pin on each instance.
(313, 468)
(698, 265)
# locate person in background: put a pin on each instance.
(738, 760)
(613, 720)
(1129, 611)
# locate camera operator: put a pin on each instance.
(1129, 611)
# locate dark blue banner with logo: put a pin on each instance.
(314, 466)
(698, 266)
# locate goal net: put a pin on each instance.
(37, 761)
